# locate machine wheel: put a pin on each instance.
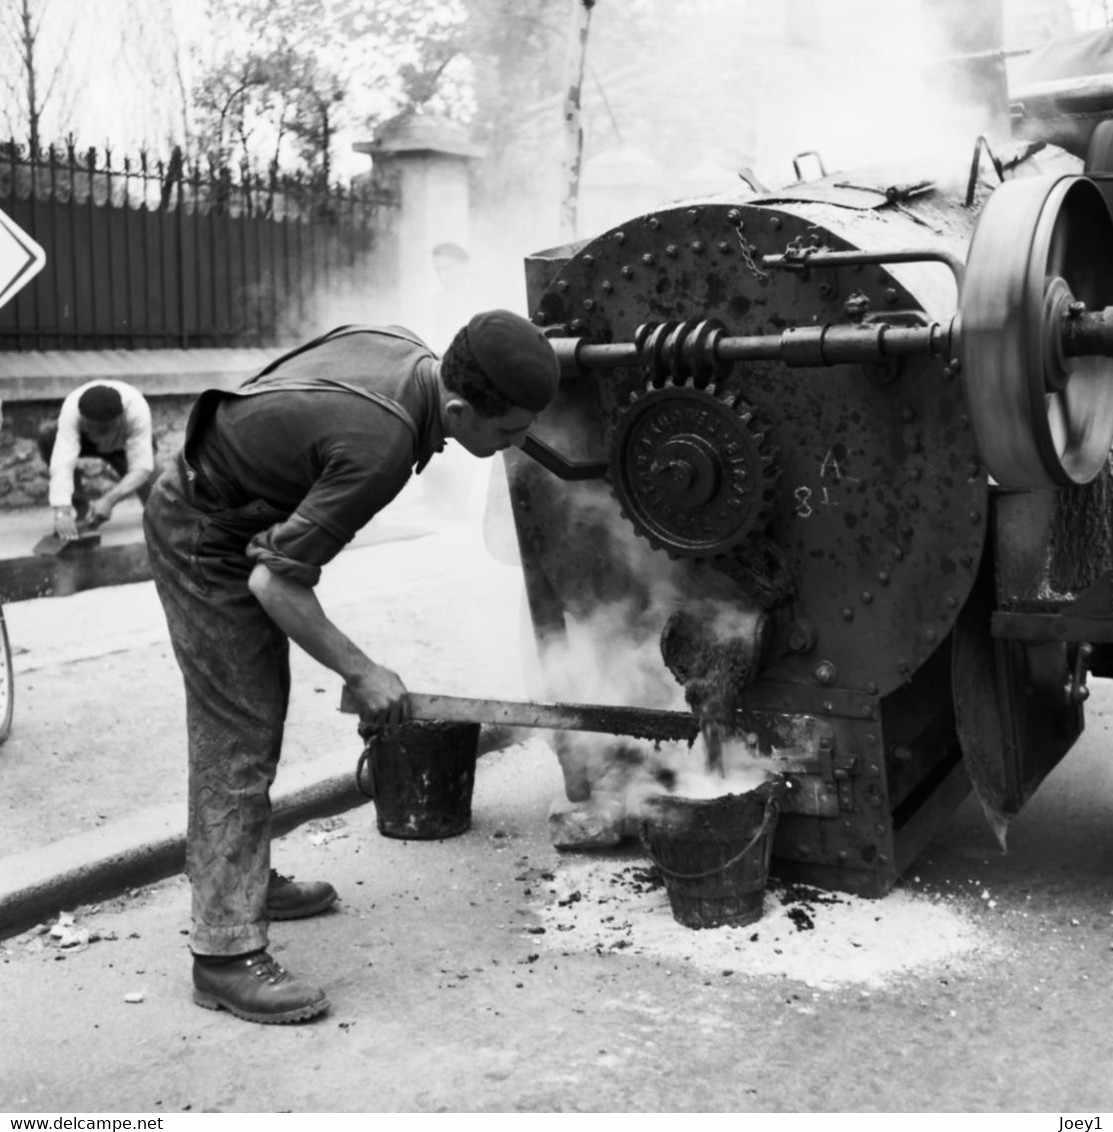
(693, 470)
(7, 684)
(1041, 419)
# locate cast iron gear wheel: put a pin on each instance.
(693, 469)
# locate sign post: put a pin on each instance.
(21, 259)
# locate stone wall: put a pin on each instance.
(23, 476)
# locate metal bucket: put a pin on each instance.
(714, 853)
(421, 776)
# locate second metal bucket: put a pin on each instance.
(421, 776)
(714, 853)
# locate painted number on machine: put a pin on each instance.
(808, 498)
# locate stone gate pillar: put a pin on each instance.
(426, 157)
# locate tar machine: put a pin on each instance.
(874, 418)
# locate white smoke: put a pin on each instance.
(610, 653)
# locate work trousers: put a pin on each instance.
(235, 663)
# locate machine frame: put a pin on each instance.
(907, 662)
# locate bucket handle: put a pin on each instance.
(366, 762)
(771, 811)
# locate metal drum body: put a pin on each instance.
(875, 505)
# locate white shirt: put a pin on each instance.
(132, 436)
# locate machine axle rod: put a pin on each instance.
(1084, 334)
(1088, 333)
(798, 346)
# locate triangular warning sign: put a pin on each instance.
(21, 259)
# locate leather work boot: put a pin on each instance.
(258, 989)
(289, 900)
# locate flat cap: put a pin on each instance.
(515, 357)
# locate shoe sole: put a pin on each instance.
(301, 1014)
(302, 913)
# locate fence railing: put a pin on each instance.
(148, 254)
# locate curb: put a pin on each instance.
(40, 883)
(76, 569)
(104, 862)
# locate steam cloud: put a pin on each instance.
(610, 653)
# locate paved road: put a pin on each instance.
(465, 975)
(488, 972)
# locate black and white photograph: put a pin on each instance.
(556, 556)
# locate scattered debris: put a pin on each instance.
(324, 830)
(65, 934)
(826, 939)
(64, 923)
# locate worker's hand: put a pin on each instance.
(380, 697)
(65, 523)
(100, 510)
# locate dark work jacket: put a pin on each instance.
(293, 463)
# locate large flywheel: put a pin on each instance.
(1043, 245)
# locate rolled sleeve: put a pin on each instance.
(355, 485)
(356, 473)
(296, 549)
(302, 572)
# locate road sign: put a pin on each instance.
(21, 259)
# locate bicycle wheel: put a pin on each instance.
(7, 681)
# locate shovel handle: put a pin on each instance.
(639, 723)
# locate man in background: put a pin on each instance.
(455, 298)
(111, 421)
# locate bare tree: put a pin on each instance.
(30, 84)
(151, 56)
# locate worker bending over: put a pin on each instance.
(110, 420)
(273, 480)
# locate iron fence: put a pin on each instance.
(145, 254)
